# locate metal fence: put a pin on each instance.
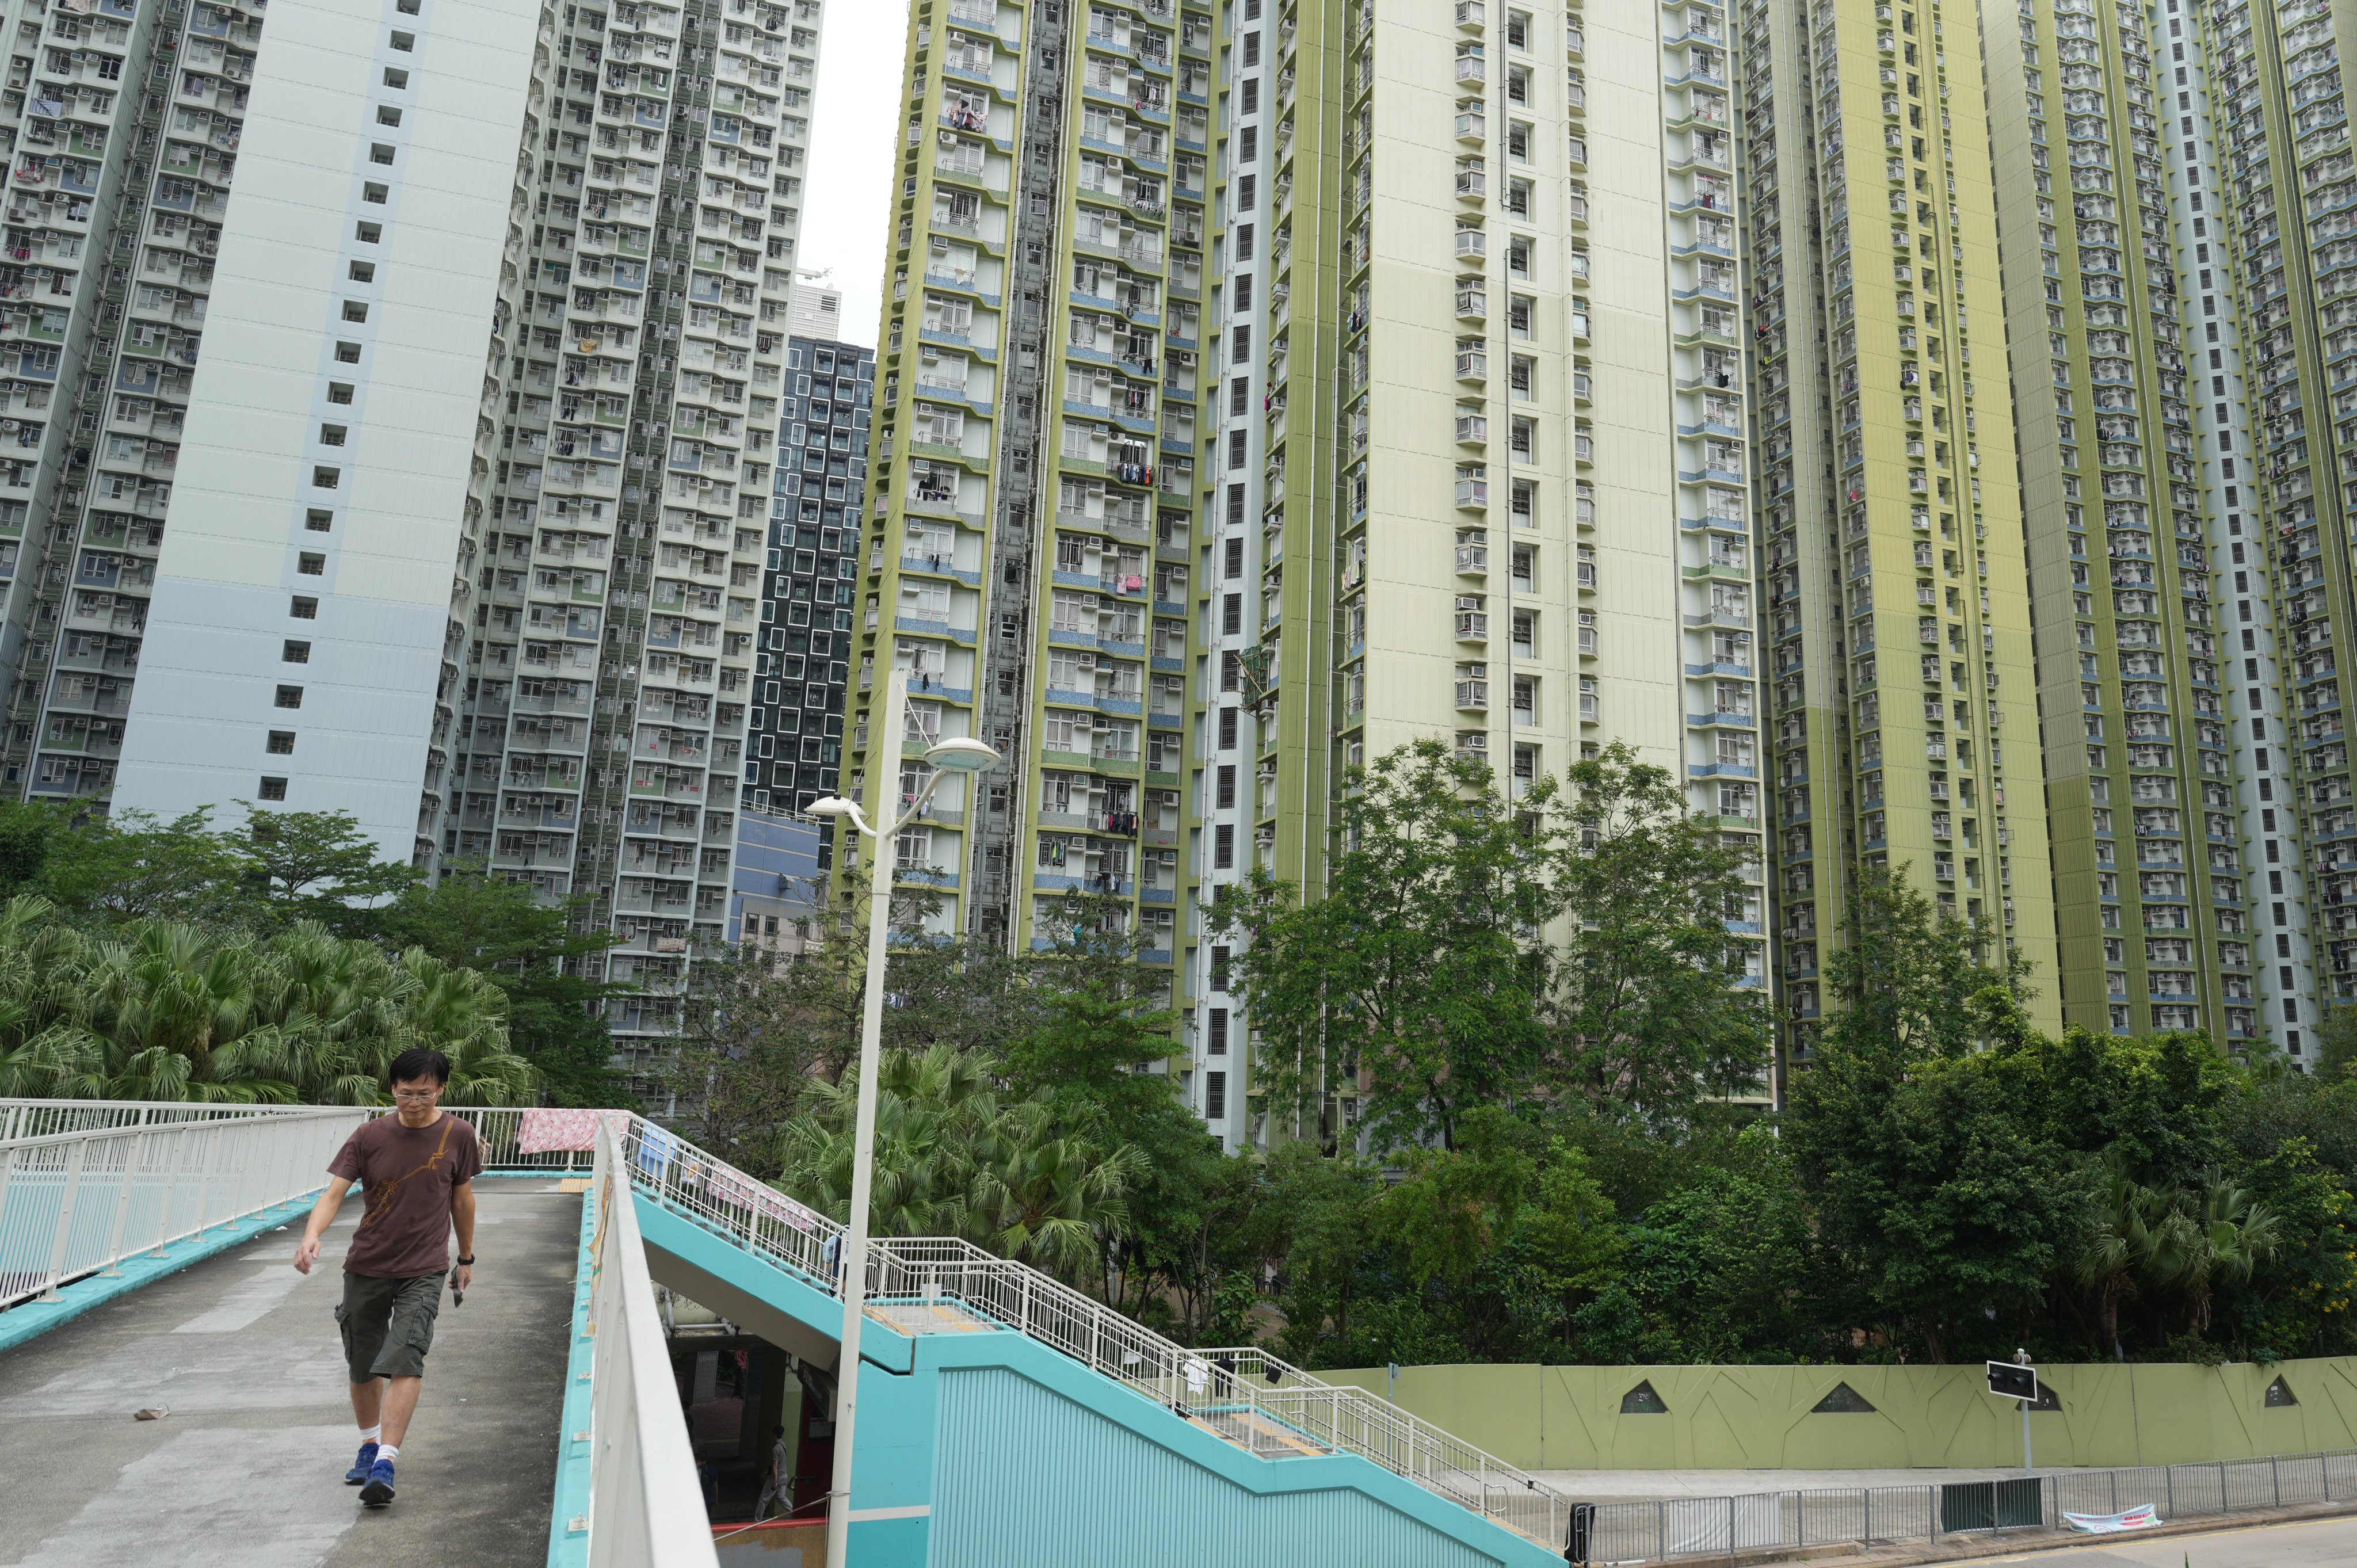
(1703, 1526)
(646, 1509)
(40, 1118)
(1243, 1394)
(80, 1202)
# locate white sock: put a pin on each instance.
(371, 1434)
(388, 1452)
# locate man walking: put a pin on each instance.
(415, 1169)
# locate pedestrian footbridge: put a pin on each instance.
(1004, 1417)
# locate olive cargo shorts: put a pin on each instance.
(388, 1325)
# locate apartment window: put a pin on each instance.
(304, 608)
(369, 234)
(405, 42)
(331, 435)
(386, 114)
(381, 152)
(282, 743)
(295, 652)
(348, 353)
(325, 478)
(1226, 795)
(273, 789)
(374, 192)
(1236, 499)
(318, 522)
(1239, 398)
(1235, 562)
(1245, 243)
(1252, 48)
(396, 80)
(355, 310)
(1251, 97)
(339, 392)
(1247, 192)
(1215, 1096)
(1217, 1033)
(1223, 847)
(1236, 439)
(311, 565)
(1232, 672)
(290, 696)
(1241, 292)
(1248, 144)
(1227, 729)
(1231, 614)
(1242, 337)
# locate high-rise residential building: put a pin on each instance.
(261, 270)
(1482, 480)
(610, 674)
(2164, 773)
(397, 412)
(796, 737)
(1033, 504)
(1487, 479)
(1897, 617)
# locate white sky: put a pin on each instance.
(852, 140)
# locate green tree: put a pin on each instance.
(1650, 1007)
(537, 954)
(1412, 963)
(1906, 978)
(133, 865)
(319, 865)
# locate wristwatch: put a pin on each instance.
(466, 1262)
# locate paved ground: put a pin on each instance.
(247, 1470)
(2303, 1544)
(1634, 1486)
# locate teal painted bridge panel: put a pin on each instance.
(988, 1449)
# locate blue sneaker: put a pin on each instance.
(378, 1491)
(360, 1470)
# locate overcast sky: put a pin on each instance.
(852, 144)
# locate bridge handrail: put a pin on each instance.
(1288, 1413)
(42, 1118)
(81, 1202)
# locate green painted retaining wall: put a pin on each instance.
(1741, 1418)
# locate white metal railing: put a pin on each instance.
(1243, 1394)
(646, 1506)
(39, 1117)
(80, 1202)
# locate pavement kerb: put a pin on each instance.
(2014, 1543)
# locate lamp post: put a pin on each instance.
(958, 755)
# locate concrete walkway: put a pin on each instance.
(247, 1469)
(1644, 1485)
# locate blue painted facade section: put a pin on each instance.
(777, 870)
(1021, 1456)
(21, 1323)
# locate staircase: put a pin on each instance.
(943, 1305)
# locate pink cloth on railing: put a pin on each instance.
(729, 1187)
(548, 1130)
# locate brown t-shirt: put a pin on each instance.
(406, 1174)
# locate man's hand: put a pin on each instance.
(323, 1213)
(462, 1278)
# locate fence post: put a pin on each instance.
(1660, 1529)
(134, 1144)
(65, 1219)
(2224, 1505)
(2168, 1479)
(1867, 1539)
(2274, 1469)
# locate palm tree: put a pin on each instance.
(2125, 1243)
(2216, 1234)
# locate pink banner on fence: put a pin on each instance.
(551, 1131)
(729, 1187)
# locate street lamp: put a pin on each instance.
(959, 755)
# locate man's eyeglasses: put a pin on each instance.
(416, 1093)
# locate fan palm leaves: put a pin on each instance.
(955, 1157)
(157, 1009)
